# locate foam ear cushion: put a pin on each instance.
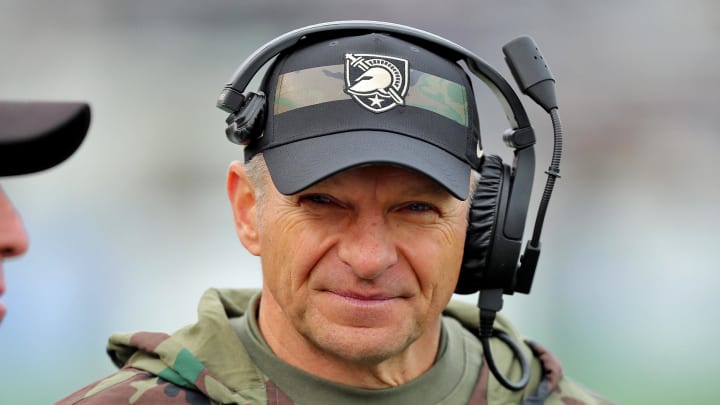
(482, 221)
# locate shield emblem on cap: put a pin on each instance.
(378, 83)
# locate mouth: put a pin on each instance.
(364, 298)
(362, 308)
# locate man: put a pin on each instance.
(355, 196)
(34, 136)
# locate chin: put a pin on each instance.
(361, 345)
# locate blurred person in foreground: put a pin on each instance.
(355, 194)
(34, 136)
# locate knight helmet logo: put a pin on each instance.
(377, 82)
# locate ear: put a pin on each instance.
(242, 200)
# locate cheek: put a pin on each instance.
(436, 258)
(290, 251)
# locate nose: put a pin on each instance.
(367, 247)
(13, 239)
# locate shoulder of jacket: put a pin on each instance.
(568, 391)
(128, 385)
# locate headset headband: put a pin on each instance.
(514, 109)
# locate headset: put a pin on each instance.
(492, 261)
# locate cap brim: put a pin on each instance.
(35, 136)
(298, 165)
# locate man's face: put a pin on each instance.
(13, 241)
(363, 263)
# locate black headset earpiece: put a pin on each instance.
(491, 193)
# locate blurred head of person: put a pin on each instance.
(34, 136)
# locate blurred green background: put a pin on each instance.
(129, 232)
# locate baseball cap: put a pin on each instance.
(367, 99)
(35, 136)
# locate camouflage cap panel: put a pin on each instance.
(307, 87)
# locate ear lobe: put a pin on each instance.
(241, 193)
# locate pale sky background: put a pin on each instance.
(128, 233)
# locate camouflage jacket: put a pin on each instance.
(206, 363)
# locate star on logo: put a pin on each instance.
(375, 101)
